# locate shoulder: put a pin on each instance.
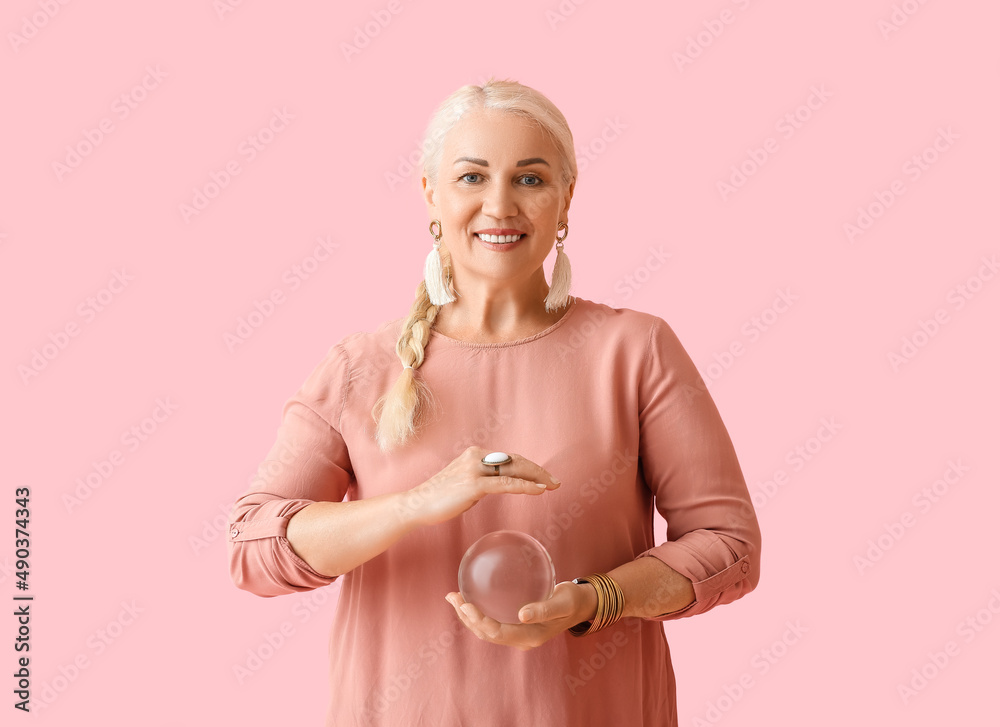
(370, 345)
(352, 355)
(357, 356)
(621, 326)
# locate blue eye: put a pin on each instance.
(537, 180)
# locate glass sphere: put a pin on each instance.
(504, 570)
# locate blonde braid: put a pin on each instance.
(398, 413)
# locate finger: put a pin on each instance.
(458, 605)
(477, 623)
(560, 605)
(490, 629)
(524, 469)
(528, 470)
(470, 616)
(510, 484)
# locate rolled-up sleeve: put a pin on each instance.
(308, 463)
(689, 462)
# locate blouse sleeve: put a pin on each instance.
(308, 462)
(689, 463)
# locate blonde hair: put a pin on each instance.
(400, 411)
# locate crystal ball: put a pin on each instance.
(504, 570)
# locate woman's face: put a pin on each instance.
(499, 173)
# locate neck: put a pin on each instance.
(492, 310)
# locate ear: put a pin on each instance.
(428, 195)
(569, 195)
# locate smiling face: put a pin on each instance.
(500, 174)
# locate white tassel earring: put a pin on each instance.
(433, 272)
(559, 290)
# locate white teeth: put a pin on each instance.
(499, 238)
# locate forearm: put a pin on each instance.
(336, 537)
(652, 588)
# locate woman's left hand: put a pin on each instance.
(569, 605)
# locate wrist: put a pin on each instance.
(587, 603)
(610, 604)
(407, 510)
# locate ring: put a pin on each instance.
(495, 459)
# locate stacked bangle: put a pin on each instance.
(610, 604)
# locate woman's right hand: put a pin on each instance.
(466, 480)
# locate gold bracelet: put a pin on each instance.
(610, 604)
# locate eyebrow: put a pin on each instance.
(484, 163)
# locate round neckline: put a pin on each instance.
(517, 342)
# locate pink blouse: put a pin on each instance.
(605, 399)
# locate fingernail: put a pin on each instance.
(527, 614)
(556, 482)
(541, 485)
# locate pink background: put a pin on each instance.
(864, 578)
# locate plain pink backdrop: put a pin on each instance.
(857, 346)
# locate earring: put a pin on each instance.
(433, 273)
(559, 290)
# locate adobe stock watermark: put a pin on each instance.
(763, 491)
(101, 470)
(481, 436)
(606, 648)
(292, 278)
(559, 14)
(626, 286)
(32, 24)
(492, 422)
(407, 166)
(222, 8)
(900, 16)
(557, 524)
(761, 663)
(87, 311)
(247, 150)
(634, 280)
(752, 330)
(371, 29)
(121, 108)
(211, 529)
(913, 169)
(430, 650)
(622, 462)
(923, 500)
(704, 37)
(271, 642)
(412, 162)
(609, 134)
(366, 372)
(97, 643)
(968, 630)
(787, 125)
(958, 296)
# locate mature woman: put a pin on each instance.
(378, 477)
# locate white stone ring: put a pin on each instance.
(495, 459)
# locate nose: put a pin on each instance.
(499, 202)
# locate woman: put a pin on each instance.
(378, 477)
